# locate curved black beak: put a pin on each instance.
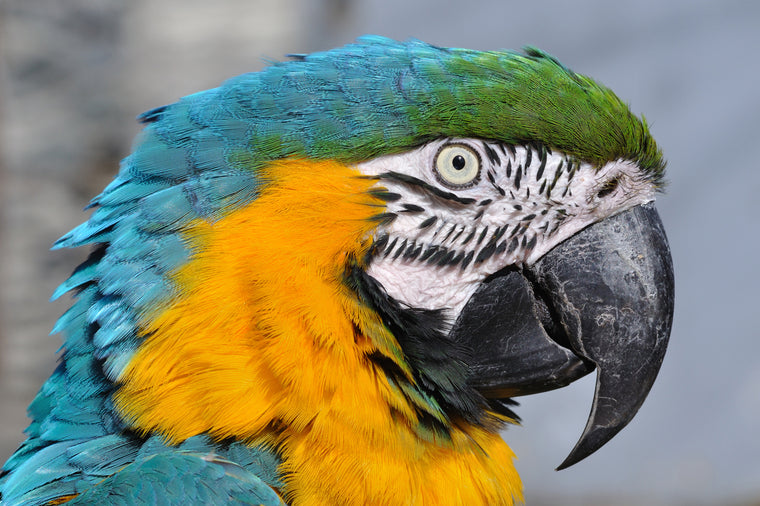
(602, 300)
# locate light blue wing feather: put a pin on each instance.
(180, 478)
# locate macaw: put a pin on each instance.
(323, 283)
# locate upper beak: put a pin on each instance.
(602, 300)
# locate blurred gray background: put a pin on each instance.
(74, 74)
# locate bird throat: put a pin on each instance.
(264, 342)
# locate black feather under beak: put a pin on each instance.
(602, 300)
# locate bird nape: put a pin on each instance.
(323, 283)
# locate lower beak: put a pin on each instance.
(602, 300)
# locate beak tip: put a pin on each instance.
(592, 439)
(570, 460)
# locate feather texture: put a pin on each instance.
(201, 163)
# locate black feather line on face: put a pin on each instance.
(391, 247)
(424, 186)
(493, 157)
(454, 239)
(440, 365)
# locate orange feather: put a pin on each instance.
(263, 342)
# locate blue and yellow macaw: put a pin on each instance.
(323, 282)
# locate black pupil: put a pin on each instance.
(458, 162)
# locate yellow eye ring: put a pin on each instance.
(457, 166)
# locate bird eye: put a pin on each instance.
(457, 166)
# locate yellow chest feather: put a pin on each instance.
(264, 343)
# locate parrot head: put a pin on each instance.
(354, 260)
(542, 268)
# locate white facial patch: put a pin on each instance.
(454, 223)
